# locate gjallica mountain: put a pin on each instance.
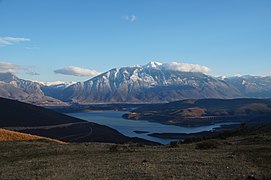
(151, 83)
(154, 83)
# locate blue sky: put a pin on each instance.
(228, 36)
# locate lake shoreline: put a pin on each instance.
(153, 131)
(207, 134)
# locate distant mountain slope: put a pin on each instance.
(39, 121)
(26, 91)
(205, 111)
(251, 86)
(149, 83)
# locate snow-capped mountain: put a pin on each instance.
(154, 82)
(251, 86)
(54, 89)
(13, 87)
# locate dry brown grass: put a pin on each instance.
(241, 158)
(7, 135)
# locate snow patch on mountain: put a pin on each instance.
(56, 83)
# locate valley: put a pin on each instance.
(136, 122)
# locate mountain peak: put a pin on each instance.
(153, 64)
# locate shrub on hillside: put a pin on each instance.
(208, 144)
(193, 139)
(114, 148)
(173, 144)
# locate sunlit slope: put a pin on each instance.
(7, 135)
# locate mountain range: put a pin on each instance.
(151, 83)
(251, 86)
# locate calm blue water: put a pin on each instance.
(127, 127)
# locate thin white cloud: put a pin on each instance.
(4, 41)
(32, 73)
(184, 67)
(14, 68)
(131, 18)
(9, 67)
(76, 71)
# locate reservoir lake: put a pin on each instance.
(127, 127)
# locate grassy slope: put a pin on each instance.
(237, 157)
(7, 135)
